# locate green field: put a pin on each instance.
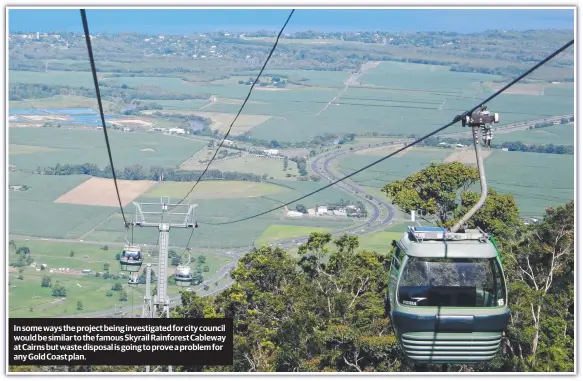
(88, 289)
(213, 189)
(397, 167)
(536, 180)
(379, 242)
(563, 134)
(279, 232)
(261, 166)
(82, 146)
(33, 212)
(399, 75)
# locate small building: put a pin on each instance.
(271, 151)
(311, 212)
(228, 142)
(86, 271)
(341, 213)
(179, 131)
(505, 149)
(321, 210)
(294, 213)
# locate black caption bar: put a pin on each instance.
(60, 341)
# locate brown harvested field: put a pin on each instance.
(467, 156)
(101, 192)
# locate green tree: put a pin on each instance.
(46, 281)
(79, 305)
(301, 208)
(540, 269)
(116, 287)
(123, 296)
(106, 267)
(59, 291)
(434, 190)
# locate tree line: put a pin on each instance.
(139, 172)
(511, 146)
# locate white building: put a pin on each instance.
(176, 131)
(271, 151)
(322, 210)
(311, 212)
(341, 213)
(294, 213)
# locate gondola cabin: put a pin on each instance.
(183, 276)
(131, 258)
(447, 296)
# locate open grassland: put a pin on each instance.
(90, 290)
(536, 180)
(563, 134)
(273, 168)
(82, 146)
(213, 190)
(279, 232)
(379, 241)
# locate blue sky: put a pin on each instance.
(190, 20)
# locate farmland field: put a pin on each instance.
(102, 192)
(562, 134)
(391, 169)
(82, 146)
(213, 189)
(258, 165)
(536, 180)
(90, 290)
(278, 232)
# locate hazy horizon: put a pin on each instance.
(181, 21)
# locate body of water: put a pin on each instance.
(76, 116)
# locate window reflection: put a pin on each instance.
(452, 282)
